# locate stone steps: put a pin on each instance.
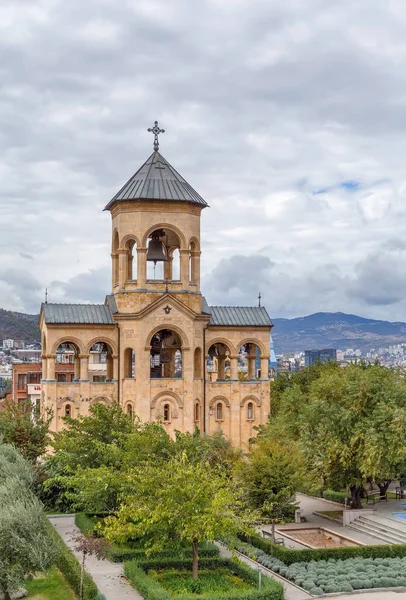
(382, 529)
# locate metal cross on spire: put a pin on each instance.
(259, 299)
(156, 130)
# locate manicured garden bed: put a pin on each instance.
(333, 576)
(218, 578)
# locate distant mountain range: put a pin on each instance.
(321, 330)
(18, 326)
(335, 330)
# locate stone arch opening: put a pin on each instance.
(167, 412)
(194, 259)
(249, 361)
(114, 257)
(166, 355)
(131, 256)
(100, 362)
(68, 353)
(129, 363)
(129, 409)
(198, 364)
(218, 353)
(197, 411)
(163, 245)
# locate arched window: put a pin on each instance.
(249, 361)
(216, 363)
(167, 413)
(131, 248)
(68, 410)
(192, 262)
(162, 255)
(250, 411)
(129, 363)
(114, 253)
(219, 412)
(100, 362)
(175, 265)
(129, 409)
(198, 363)
(166, 355)
(197, 412)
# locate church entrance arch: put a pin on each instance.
(166, 355)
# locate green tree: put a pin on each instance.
(25, 546)
(273, 471)
(22, 426)
(216, 449)
(180, 502)
(350, 424)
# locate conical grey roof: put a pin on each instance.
(157, 180)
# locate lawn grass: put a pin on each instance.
(49, 586)
(333, 514)
(219, 581)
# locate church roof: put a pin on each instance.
(89, 314)
(157, 180)
(238, 316)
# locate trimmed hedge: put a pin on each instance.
(121, 553)
(336, 496)
(137, 573)
(85, 522)
(70, 567)
(290, 555)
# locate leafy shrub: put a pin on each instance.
(336, 496)
(86, 523)
(70, 567)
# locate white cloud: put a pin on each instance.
(289, 118)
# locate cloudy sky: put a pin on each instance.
(289, 118)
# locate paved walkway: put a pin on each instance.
(107, 576)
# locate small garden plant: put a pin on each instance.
(333, 576)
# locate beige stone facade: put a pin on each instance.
(156, 335)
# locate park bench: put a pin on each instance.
(375, 495)
(400, 493)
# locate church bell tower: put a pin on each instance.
(156, 236)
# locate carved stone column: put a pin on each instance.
(234, 367)
(264, 368)
(141, 267)
(251, 366)
(51, 367)
(84, 367)
(221, 360)
(114, 265)
(76, 375)
(122, 267)
(195, 274)
(184, 268)
(115, 366)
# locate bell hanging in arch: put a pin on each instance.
(156, 250)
